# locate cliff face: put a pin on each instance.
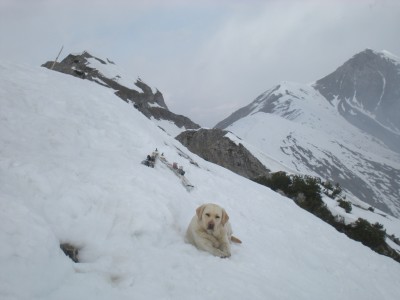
(214, 146)
(150, 103)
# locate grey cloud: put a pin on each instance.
(209, 58)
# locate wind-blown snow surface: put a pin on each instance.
(70, 172)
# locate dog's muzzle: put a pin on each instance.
(210, 226)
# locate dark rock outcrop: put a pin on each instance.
(71, 251)
(214, 146)
(149, 103)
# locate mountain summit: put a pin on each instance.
(366, 91)
(343, 128)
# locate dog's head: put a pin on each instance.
(211, 216)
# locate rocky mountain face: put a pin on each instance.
(89, 67)
(344, 128)
(214, 146)
(366, 91)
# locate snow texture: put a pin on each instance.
(70, 171)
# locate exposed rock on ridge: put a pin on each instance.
(214, 146)
(149, 103)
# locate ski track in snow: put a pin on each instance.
(70, 172)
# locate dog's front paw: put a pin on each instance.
(225, 254)
(220, 253)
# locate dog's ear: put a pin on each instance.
(225, 217)
(199, 211)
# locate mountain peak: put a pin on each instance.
(366, 91)
(369, 56)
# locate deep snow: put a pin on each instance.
(70, 171)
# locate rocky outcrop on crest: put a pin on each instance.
(150, 103)
(214, 146)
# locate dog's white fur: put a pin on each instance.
(211, 231)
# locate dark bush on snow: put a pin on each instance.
(346, 205)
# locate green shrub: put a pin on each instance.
(332, 191)
(369, 235)
(307, 185)
(306, 192)
(346, 205)
(277, 181)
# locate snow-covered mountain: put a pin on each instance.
(366, 91)
(70, 172)
(328, 129)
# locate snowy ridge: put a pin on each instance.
(111, 70)
(390, 56)
(70, 172)
(116, 73)
(319, 149)
(105, 72)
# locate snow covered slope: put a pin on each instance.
(311, 134)
(70, 172)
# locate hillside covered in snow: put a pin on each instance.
(70, 172)
(343, 128)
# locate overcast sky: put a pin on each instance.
(208, 58)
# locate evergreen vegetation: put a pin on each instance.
(346, 205)
(369, 235)
(306, 191)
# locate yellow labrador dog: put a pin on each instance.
(211, 231)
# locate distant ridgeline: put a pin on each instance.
(105, 73)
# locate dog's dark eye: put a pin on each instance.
(217, 217)
(207, 215)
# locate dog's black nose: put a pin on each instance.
(210, 226)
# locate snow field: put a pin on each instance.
(70, 172)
